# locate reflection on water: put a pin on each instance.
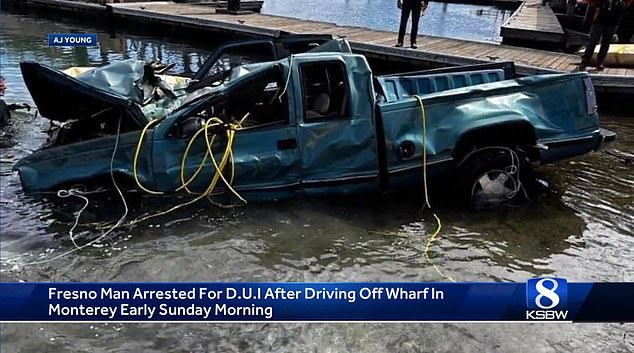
(31, 44)
(582, 230)
(472, 22)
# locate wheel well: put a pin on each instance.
(124, 181)
(510, 135)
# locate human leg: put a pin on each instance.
(416, 9)
(595, 34)
(405, 11)
(606, 39)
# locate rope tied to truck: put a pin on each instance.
(434, 235)
(211, 128)
(76, 192)
(219, 126)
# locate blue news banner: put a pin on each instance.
(542, 299)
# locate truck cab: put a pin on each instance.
(300, 116)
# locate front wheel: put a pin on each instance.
(493, 176)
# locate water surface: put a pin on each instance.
(462, 21)
(582, 230)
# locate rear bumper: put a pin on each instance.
(558, 150)
(606, 138)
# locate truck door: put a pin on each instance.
(264, 150)
(336, 136)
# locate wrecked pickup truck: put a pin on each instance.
(322, 124)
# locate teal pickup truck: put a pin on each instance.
(322, 124)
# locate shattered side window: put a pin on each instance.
(262, 97)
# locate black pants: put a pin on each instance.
(598, 31)
(413, 6)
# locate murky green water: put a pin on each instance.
(582, 230)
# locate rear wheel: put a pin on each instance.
(493, 176)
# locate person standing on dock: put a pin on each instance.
(416, 8)
(607, 14)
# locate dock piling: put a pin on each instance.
(233, 5)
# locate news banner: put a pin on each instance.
(540, 299)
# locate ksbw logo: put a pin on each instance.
(543, 296)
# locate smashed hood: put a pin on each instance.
(120, 77)
(62, 97)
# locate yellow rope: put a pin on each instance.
(227, 158)
(213, 160)
(185, 183)
(136, 159)
(230, 136)
(432, 238)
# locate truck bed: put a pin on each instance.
(541, 110)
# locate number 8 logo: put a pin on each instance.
(546, 292)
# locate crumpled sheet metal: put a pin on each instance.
(124, 78)
(550, 104)
(328, 151)
(120, 77)
(258, 161)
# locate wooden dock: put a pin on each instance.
(533, 21)
(373, 43)
(433, 51)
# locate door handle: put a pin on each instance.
(287, 144)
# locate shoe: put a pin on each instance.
(398, 45)
(414, 46)
(600, 67)
(579, 68)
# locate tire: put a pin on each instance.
(492, 177)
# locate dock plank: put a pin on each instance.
(384, 38)
(467, 49)
(367, 36)
(387, 41)
(307, 28)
